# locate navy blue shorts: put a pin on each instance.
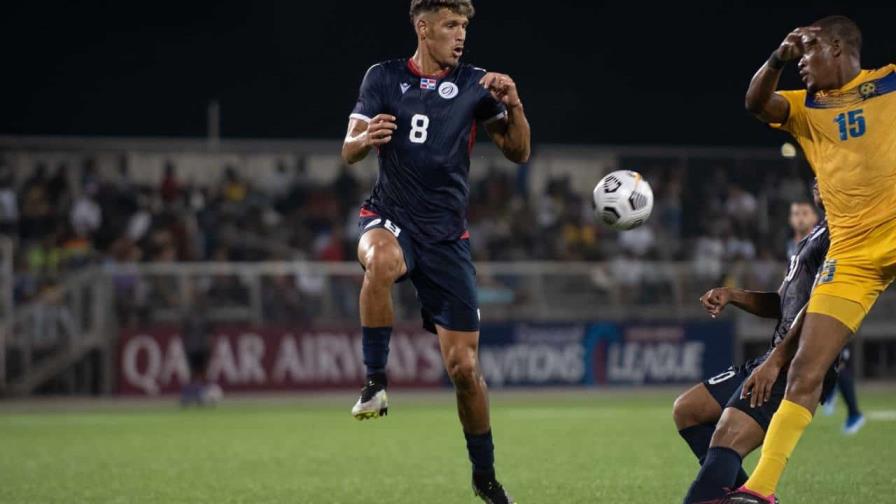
(726, 387)
(442, 273)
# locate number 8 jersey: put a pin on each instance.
(423, 182)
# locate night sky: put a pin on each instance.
(587, 74)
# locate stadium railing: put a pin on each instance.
(45, 339)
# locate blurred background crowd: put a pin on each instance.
(64, 217)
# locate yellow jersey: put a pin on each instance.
(849, 138)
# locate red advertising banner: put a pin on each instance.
(269, 359)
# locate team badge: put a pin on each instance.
(428, 84)
(868, 89)
(448, 90)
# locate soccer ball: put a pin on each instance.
(623, 200)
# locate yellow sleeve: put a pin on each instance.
(796, 123)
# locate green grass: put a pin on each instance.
(551, 448)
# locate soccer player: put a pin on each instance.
(803, 217)
(420, 115)
(718, 419)
(845, 121)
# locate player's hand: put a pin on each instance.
(758, 387)
(794, 44)
(715, 300)
(502, 88)
(379, 130)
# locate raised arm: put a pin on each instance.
(511, 134)
(761, 304)
(363, 136)
(761, 99)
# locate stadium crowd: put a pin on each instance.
(64, 217)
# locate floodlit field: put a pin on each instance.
(558, 447)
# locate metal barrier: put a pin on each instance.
(90, 310)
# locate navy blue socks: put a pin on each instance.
(718, 474)
(375, 346)
(482, 454)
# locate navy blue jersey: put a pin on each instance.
(807, 258)
(423, 180)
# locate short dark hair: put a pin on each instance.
(843, 29)
(462, 7)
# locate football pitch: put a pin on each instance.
(552, 447)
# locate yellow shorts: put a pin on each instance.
(851, 280)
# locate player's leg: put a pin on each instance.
(739, 432)
(383, 259)
(736, 436)
(697, 411)
(829, 402)
(460, 356)
(822, 339)
(446, 286)
(460, 353)
(855, 420)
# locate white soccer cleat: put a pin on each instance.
(372, 404)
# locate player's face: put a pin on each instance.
(802, 217)
(818, 65)
(445, 35)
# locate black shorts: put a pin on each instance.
(725, 388)
(442, 273)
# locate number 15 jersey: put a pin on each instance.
(423, 182)
(849, 137)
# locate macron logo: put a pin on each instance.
(404, 87)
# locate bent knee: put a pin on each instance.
(383, 262)
(683, 412)
(689, 409)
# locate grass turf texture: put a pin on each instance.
(551, 448)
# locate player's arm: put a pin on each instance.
(761, 99)
(761, 304)
(758, 386)
(363, 136)
(511, 134)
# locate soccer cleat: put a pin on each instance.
(854, 424)
(373, 402)
(490, 491)
(743, 495)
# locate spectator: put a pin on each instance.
(86, 216)
(170, 187)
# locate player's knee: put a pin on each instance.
(684, 413)
(803, 385)
(463, 371)
(383, 263)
